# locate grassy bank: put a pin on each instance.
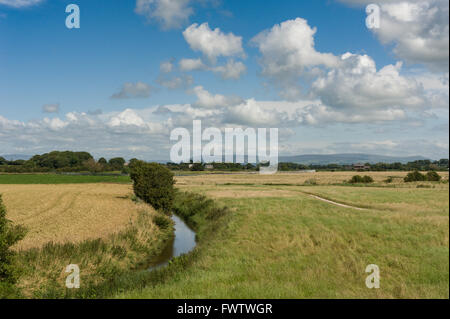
(99, 260)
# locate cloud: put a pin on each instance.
(20, 3)
(144, 133)
(123, 133)
(207, 100)
(288, 49)
(133, 90)
(176, 82)
(232, 70)
(357, 84)
(166, 67)
(126, 118)
(50, 108)
(288, 53)
(419, 30)
(213, 43)
(251, 113)
(350, 81)
(187, 65)
(169, 14)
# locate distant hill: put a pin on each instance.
(15, 157)
(343, 159)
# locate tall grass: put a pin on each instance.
(99, 260)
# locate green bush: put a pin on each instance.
(432, 176)
(9, 235)
(415, 176)
(163, 222)
(389, 180)
(154, 184)
(357, 179)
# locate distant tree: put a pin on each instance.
(154, 184)
(17, 162)
(443, 162)
(9, 235)
(432, 176)
(102, 161)
(357, 179)
(415, 176)
(197, 167)
(93, 166)
(59, 160)
(116, 163)
(3, 161)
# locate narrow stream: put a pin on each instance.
(182, 243)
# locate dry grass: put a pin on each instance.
(293, 178)
(248, 193)
(69, 213)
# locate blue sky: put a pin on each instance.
(61, 88)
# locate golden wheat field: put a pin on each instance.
(70, 212)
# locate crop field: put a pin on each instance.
(68, 213)
(281, 239)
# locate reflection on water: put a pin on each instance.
(183, 243)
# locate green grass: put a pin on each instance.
(49, 178)
(300, 247)
(61, 179)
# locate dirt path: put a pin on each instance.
(334, 203)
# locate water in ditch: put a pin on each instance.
(182, 243)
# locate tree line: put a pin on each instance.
(62, 162)
(84, 162)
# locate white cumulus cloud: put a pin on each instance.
(213, 43)
(231, 70)
(187, 65)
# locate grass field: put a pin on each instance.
(280, 242)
